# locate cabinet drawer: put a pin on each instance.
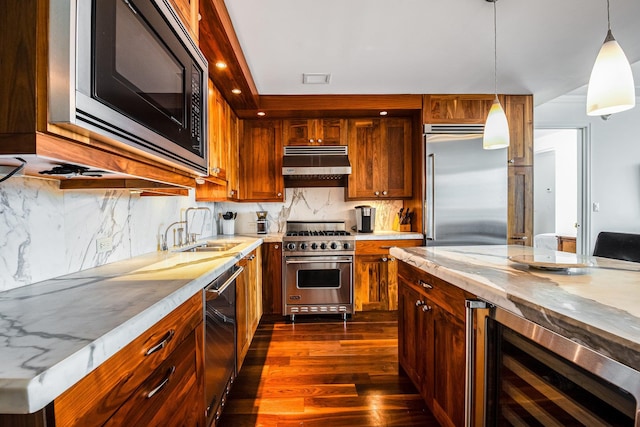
(367, 247)
(445, 295)
(97, 396)
(169, 396)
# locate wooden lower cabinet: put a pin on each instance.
(431, 341)
(156, 380)
(375, 274)
(248, 303)
(272, 278)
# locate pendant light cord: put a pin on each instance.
(495, 49)
(608, 17)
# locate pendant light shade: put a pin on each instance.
(611, 89)
(496, 128)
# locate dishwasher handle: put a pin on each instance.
(217, 291)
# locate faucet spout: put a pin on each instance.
(164, 246)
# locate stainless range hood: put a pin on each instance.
(316, 162)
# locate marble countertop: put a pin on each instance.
(55, 332)
(388, 235)
(597, 306)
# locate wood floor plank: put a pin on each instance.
(325, 372)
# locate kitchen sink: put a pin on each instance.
(216, 246)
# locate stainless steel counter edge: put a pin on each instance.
(57, 331)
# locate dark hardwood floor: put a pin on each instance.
(324, 372)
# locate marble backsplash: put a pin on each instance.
(46, 232)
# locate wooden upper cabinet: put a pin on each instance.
(315, 132)
(188, 12)
(218, 133)
(260, 160)
(380, 156)
(520, 206)
(519, 111)
(233, 180)
(456, 109)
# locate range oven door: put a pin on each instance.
(534, 376)
(317, 280)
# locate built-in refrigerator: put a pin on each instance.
(465, 200)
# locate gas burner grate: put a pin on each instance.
(317, 233)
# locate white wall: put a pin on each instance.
(615, 161)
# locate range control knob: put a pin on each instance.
(345, 246)
(303, 246)
(314, 246)
(323, 246)
(291, 246)
(334, 245)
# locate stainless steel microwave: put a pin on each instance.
(129, 71)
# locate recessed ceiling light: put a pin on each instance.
(262, 113)
(383, 113)
(221, 65)
(236, 91)
(316, 78)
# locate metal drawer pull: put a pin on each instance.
(165, 340)
(425, 284)
(426, 308)
(225, 285)
(384, 259)
(419, 303)
(162, 384)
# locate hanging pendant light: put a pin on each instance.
(611, 88)
(496, 129)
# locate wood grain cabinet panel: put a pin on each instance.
(431, 337)
(248, 303)
(188, 12)
(519, 111)
(381, 159)
(272, 278)
(520, 206)
(456, 109)
(260, 161)
(315, 131)
(375, 274)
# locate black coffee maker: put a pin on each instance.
(365, 219)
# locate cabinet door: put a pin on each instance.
(233, 184)
(456, 109)
(395, 171)
(364, 155)
(380, 156)
(242, 327)
(520, 209)
(449, 371)
(314, 131)
(260, 159)
(218, 133)
(188, 13)
(519, 111)
(376, 286)
(272, 278)
(254, 295)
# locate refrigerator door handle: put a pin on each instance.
(431, 197)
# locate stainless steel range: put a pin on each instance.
(317, 266)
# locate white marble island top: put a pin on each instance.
(55, 332)
(598, 306)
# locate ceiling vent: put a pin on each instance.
(316, 78)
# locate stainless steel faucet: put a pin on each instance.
(163, 245)
(191, 237)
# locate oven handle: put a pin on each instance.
(309, 260)
(226, 284)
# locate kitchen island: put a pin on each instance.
(597, 306)
(54, 333)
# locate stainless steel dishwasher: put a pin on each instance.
(220, 341)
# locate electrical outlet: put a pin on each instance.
(596, 206)
(104, 244)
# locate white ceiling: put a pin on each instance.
(545, 47)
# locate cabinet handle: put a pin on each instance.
(376, 193)
(425, 284)
(311, 140)
(511, 161)
(162, 344)
(426, 308)
(391, 259)
(319, 140)
(276, 247)
(232, 193)
(252, 257)
(279, 194)
(384, 193)
(162, 384)
(518, 238)
(419, 303)
(384, 259)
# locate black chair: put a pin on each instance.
(622, 246)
